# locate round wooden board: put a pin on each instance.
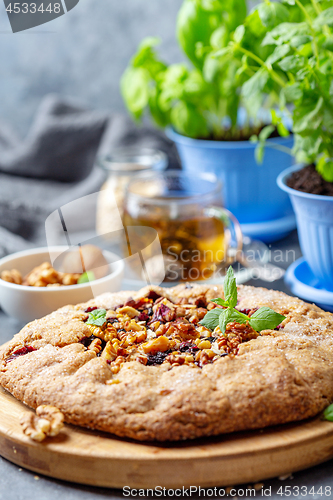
(99, 459)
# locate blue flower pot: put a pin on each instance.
(249, 190)
(314, 216)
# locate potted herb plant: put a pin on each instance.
(201, 106)
(302, 65)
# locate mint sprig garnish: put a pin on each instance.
(263, 319)
(97, 317)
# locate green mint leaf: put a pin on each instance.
(230, 288)
(211, 320)
(86, 277)
(97, 317)
(230, 316)
(265, 319)
(328, 413)
(220, 302)
(224, 319)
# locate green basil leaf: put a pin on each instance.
(328, 413)
(292, 92)
(212, 66)
(86, 277)
(135, 89)
(279, 52)
(259, 153)
(265, 319)
(219, 38)
(239, 33)
(299, 40)
(272, 13)
(256, 83)
(195, 24)
(145, 51)
(309, 116)
(266, 132)
(325, 17)
(211, 320)
(284, 32)
(325, 168)
(291, 63)
(230, 288)
(328, 43)
(97, 317)
(188, 120)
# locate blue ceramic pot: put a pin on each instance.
(249, 190)
(314, 216)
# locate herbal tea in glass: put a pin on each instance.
(195, 232)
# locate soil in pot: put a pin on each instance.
(310, 181)
(241, 134)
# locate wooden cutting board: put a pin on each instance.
(99, 459)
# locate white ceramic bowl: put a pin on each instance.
(27, 303)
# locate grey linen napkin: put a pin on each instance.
(61, 144)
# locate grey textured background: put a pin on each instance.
(80, 54)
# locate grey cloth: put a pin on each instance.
(61, 144)
(10, 243)
(26, 202)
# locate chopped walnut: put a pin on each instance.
(110, 352)
(129, 311)
(141, 358)
(13, 276)
(70, 279)
(116, 365)
(96, 346)
(186, 330)
(48, 421)
(43, 275)
(204, 356)
(159, 344)
(211, 306)
(174, 359)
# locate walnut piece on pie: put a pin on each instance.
(48, 421)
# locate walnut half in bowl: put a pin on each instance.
(25, 295)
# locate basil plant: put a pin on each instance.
(299, 69)
(200, 98)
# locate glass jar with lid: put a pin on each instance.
(121, 166)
